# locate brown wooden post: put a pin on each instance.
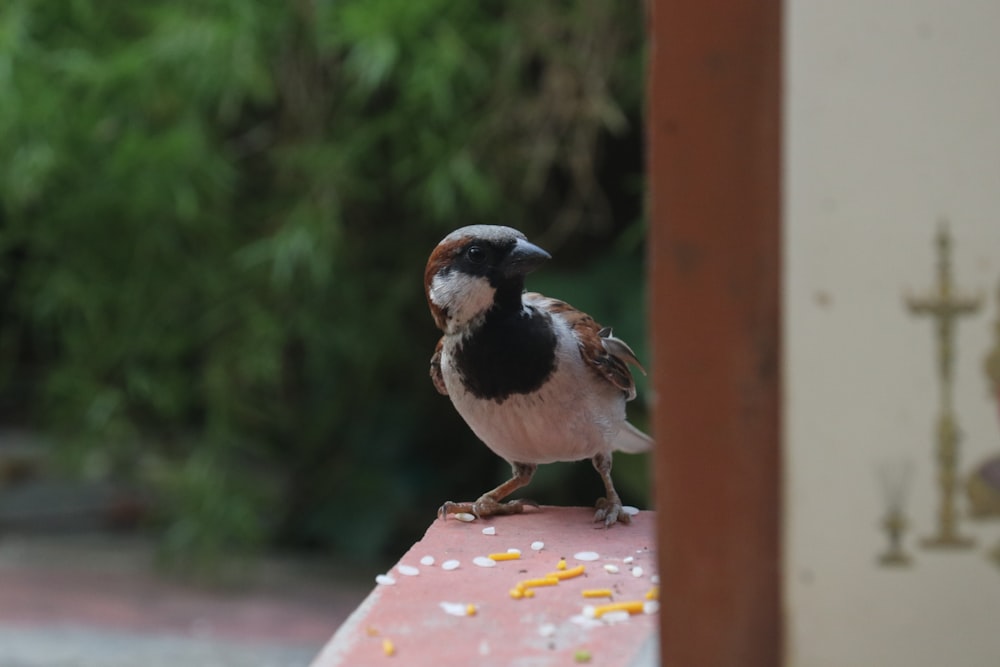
(714, 108)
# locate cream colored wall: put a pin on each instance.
(892, 123)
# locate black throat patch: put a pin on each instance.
(512, 352)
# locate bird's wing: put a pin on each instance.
(601, 350)
(436, 377)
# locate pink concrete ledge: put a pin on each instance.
(481, 624)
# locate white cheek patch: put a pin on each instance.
(464, 297)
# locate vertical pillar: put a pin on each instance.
(713, 132)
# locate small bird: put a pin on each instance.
(535, 379)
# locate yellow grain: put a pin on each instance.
(596, 593)
(388, 647)
(567, 574)
(632, 607)
(542, 581)
(504, 556)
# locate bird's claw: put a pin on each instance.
(610, 512)
(486, 507)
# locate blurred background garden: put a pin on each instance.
(214, 219)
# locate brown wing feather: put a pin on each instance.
(436, 377)
(607, 355)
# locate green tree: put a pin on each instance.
(214, 216)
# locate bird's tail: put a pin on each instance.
(632, 441)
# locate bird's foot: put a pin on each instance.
(610, 512)
(487, 506)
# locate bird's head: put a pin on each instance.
(474, 269)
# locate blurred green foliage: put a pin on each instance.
(214, 216)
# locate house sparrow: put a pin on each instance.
(535, 379)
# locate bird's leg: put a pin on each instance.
(609, 508)
(489, 503)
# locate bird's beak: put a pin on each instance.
(524, 258)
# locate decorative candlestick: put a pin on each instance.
(992, 366)
(945, 307)
(894, 480)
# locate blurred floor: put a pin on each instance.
(97, 600)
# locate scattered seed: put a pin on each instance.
(408, 570)
(636, 571)
(537, 546)
(567, 574)
(586, 555)
(596, 593)
(585, 621)
(654, 579)
(547, 629)
(388, 647)
(611, 568)
(653, 593)
(628, 559)
(650, 607)
(631, 511)
(427, 560)
(540, 581)
(471, 609)
(449, 565)
(516, 593)
(630, 607)
(561, 565)
(616, 616)
(455, 608)
(384, 579)
(465, 516)
(490, 530)
(483, 561)
(583, 655)
(514, 551)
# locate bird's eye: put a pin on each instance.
(475, 254)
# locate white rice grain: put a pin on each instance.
(547, 629)
(384, 580)
(483, 561)
(427, 560)
(617, 616)
(537, 546)
(455, 608)
(449, 565)
(586, 555)
(408, 570)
